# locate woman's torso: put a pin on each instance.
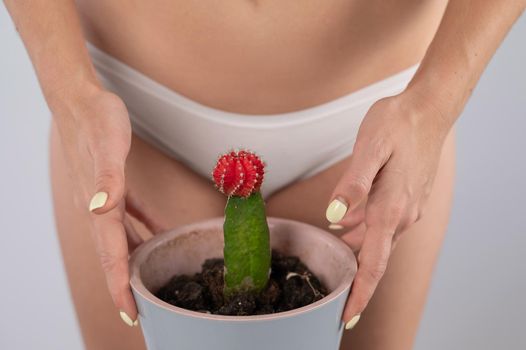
(258, 57)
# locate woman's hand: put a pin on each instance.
(95, 133)
(386, 186)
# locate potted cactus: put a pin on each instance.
(247, 254)
(186, 302)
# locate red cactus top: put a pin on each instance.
(238, 173)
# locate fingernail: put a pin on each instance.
(127, 319)
(352, 322)
(336, 211)
(335, 227)
(98, 200)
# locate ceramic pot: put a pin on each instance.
(183, 250)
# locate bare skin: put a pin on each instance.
(245, 56)
(257, 57)
(180, 196)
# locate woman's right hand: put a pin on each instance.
(95, 133)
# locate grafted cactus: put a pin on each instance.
(239, 175)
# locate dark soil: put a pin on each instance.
(291, 285)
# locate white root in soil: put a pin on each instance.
(304, 277)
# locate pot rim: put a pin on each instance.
(140, 254)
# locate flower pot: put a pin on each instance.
(184, 249)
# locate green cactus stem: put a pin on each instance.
(247, 252)
(247, 245)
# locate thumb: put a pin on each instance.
(366, 161)
(109, 182)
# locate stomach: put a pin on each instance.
(263, 56)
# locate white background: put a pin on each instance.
(478, 296)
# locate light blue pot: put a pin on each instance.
(317, 326)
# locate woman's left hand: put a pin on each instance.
(385, 188)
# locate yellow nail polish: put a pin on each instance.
(98, 200)
(336, 211)
(335, 227)
(352, 322)
(127, 319)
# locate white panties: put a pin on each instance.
(294, 145)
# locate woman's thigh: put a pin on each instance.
(392, 317)
(179, 196)
(176, 196)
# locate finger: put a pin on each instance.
(372, 261)
(136, 208)
(367, 159)
(133, 238)
(352, 219)
(112, 249)
(385, 208)
(411, 215)
(355, 237)
(108, 167)
(394, 243)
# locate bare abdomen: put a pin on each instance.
(263, 56)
